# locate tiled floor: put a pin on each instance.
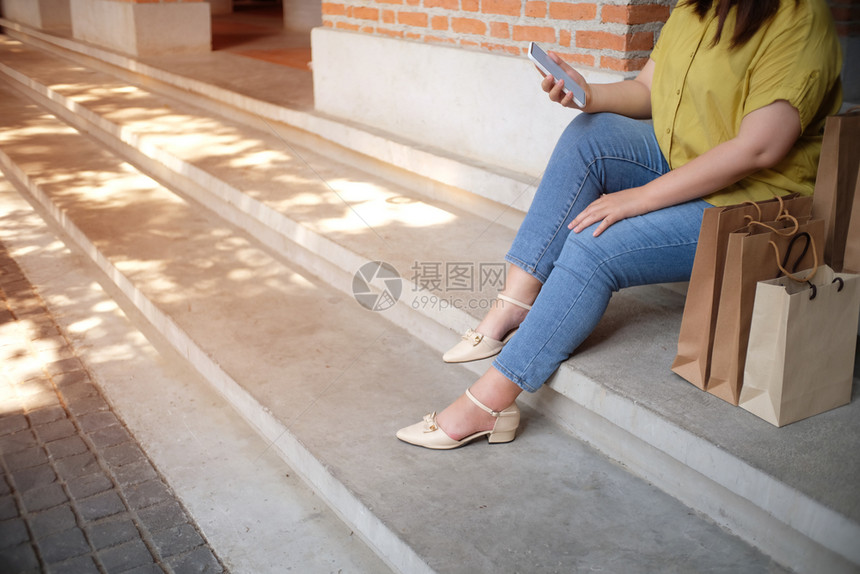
(77, 493)
(259, 33)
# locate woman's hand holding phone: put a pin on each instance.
(555, 87)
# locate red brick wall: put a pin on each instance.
(599, 34)
(607, 34)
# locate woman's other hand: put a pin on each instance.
(608, 209)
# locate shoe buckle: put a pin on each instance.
(474, 337)
(430, 422)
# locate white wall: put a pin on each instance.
(55, 14)
(482, 106)
(143, 29)
(108, 24)
(25, 12)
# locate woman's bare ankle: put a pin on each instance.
(501, 319)
(504, 315)
(462, 418)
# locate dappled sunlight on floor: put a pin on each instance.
(190, 265)
(373, 205)
(28, 341)
(18, 365)
(31, 344)
(262, 165)
(255, 169)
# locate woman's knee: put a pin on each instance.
(600, 262)
(630, 253)
(584, 127)
(589, 137)
(601, 125)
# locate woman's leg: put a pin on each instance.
(596, 154)
(657, 247)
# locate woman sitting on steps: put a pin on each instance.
(738, 91)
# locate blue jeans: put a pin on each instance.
(596, 154)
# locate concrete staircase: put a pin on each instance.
(235, 218)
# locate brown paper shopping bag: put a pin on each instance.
(851, 262)
(699, 319)
(800, 359)
(750, 259)
(836, 183)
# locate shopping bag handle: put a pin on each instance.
(814, 292)
(781, 215)
(750, 218)
(785, 232)
(810, 242)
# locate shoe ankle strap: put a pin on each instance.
(515, 302)
(483, 407)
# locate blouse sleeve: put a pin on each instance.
(798, 63)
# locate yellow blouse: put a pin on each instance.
(700, 93)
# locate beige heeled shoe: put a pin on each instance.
(428, 434)
(475, 345)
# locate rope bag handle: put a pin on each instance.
(810, 242)
(785, 232)
(781, 215)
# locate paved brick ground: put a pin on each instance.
(77, 493)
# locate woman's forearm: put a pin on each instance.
(766, 136)
(630, 98)
(717, 169)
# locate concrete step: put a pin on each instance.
(248, 502)
(328, 382)
(250, 91)
(615, 393)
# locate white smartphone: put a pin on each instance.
(543, 61)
